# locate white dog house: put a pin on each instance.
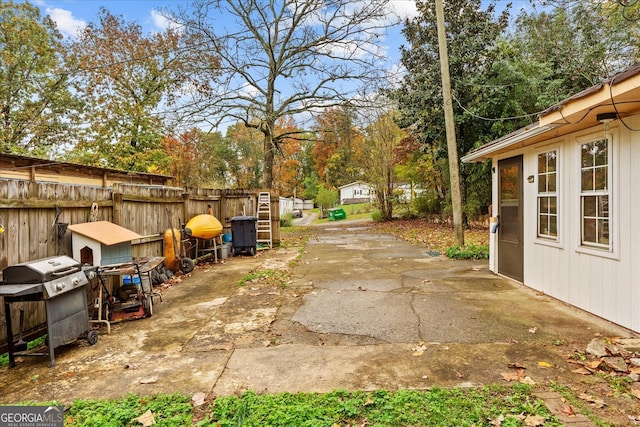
(101, 243)
(566, 196)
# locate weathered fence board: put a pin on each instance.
(31, 211)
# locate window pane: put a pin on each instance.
(543, 228)
(551, 161)
(551, 186)
(587, 180)
(542, 184)
(586, 155)
(544, 204)
(603, 231)
(600, 148)
(509, 183)
(553, 226)
(603, 206)
(589, 230)
(542, 163)
(553, 205)
(589, 206)
(601, 178)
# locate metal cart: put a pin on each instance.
(133, 298)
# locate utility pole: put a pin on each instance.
(452, 147)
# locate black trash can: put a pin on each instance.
(244, 234)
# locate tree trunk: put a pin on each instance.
(267, 173)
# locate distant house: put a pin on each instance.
(286, 205)
(407, 192)
(356, 192)
(289, 204)
(566, 199)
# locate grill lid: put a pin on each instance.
(40, 270)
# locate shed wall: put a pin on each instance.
(603, 283)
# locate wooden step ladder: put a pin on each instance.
(264, 234)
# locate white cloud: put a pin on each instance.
(161, 21)
(67, 24)
(404, 8)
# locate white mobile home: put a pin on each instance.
(356, 192)
(566, 199)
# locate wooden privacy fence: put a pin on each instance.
(34, 216)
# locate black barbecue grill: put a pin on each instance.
(61, 282)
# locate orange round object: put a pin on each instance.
(204, 226)
(172, 249)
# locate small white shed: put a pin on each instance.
(101, 243)
(566, 199)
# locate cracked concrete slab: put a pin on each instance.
(381, 315)
(360, 311)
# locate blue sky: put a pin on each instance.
(72, 15)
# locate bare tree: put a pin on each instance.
(382, 137)
(286, 58)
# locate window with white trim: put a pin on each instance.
(595, 193)
(548, 195)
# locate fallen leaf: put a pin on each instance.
(498, 421)
(581, 371)
(527, 380)
(369, 400)
(146, 419)
(516, 365)
(459, 375)
(545, 365)
(533, 330)
(198, 399)
(568, 410)
(598, 403)
(419, 349)
(510, 376)
(593, 364)
(534, 420)
(150, 380)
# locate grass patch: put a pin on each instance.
(435, 407)
(274, 277)
(490, 405)
(470, 251)
(355, 211)
(167, 409)
(4, 358)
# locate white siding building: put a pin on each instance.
(356, 192)
(566, 196)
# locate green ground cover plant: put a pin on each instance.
(486, 406)
(470, 251)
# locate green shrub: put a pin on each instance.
(427, 203)
(470, 251)
(286, 220)
(376, 216)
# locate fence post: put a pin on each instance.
(117, 205)
(185, 207)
